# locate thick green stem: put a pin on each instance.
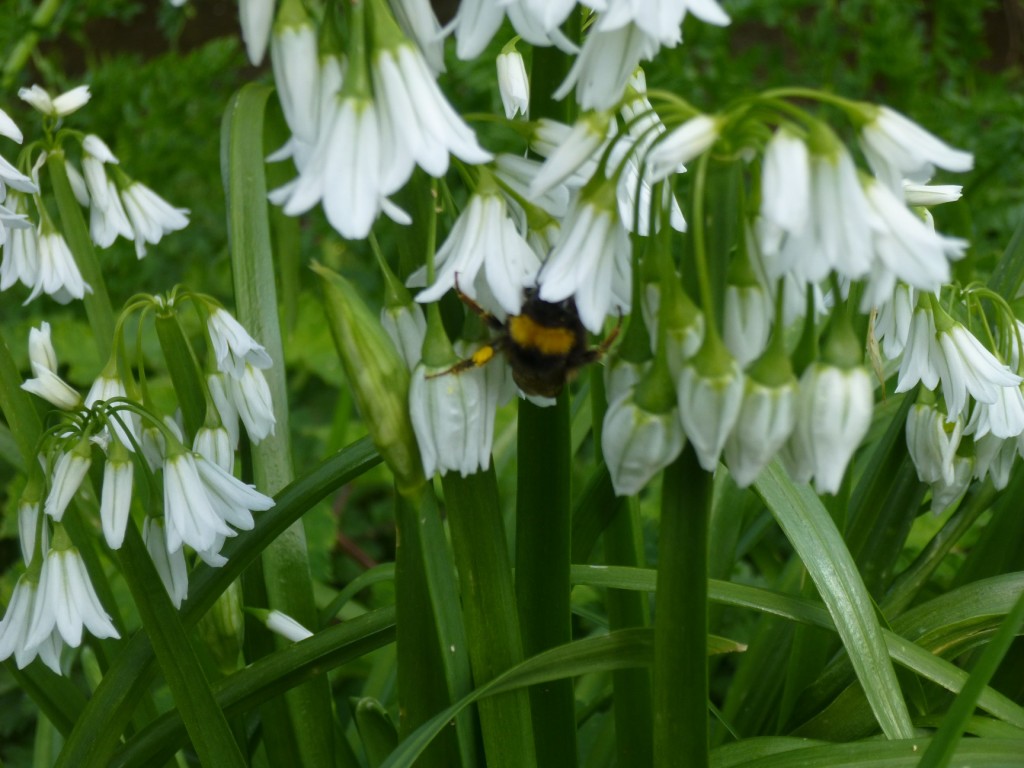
(543, 544)
(681, 618)
(488, 602)
(285, 563)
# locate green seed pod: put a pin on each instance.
(377, 374)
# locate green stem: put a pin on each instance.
(492, 626)
(543, 544)
(424, 687)
(681, 621)
(285, 562)
(76, 232)
(16, 404)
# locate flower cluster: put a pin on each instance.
(37, 254)
(192, 455)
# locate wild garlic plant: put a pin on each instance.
(734, 322)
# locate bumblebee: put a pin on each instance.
(545, 345)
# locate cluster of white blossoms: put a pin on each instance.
(828, 235)
(203, 502)
(35, 251)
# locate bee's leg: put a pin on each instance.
(479, 358)
(595, 354)
(482, 313)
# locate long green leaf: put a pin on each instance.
(617, 650)
(285, 563)
(98, 730)
(543, 544)
(207, 727)
(778, 752)
(264, 679)
(820, 547)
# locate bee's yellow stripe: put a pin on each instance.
(528, 334)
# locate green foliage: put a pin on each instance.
(784, 601)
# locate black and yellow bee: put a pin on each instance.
(545, 344)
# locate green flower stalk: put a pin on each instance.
(377, 374)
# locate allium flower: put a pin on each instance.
(294, 56)
(233, 346)
(46, 383)
(785, 191)
(169, 564)
(993, 456)
(513, 83)
(190, 515)
(60, 106)
(486, 254)
(967, 367)
(638, 443)
(833, 414)
(923, 359)
(1003, 418)
(68, 474)
(15, 179)
(9, 129)
(892, 324)
(747, 321)
(710, 397)
(766, 419)
(251, 396)
(948, 495)
(58, 274)
(837, 233)
(255, 17)
(931, 194)
(906, 245)
(932, 443)
(285, 626)
(898, 148)
(107, 216)
(418, 20)
(570, 152)
(124, 422)
(151, 216)
(518, 174)
(214, 444)
(232, 500)
(21, 250)
(116, 496)
(418, 126)
(606, 63)
(475, 23)
(447, 413)
(591, 259)
(661, 19)
(406, 325)
(223, 401)
(67, 601)
(682, 144)
(29, 509)
(15, 626)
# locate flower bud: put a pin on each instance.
(377, 375)
(710, 389)
(222, 629)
